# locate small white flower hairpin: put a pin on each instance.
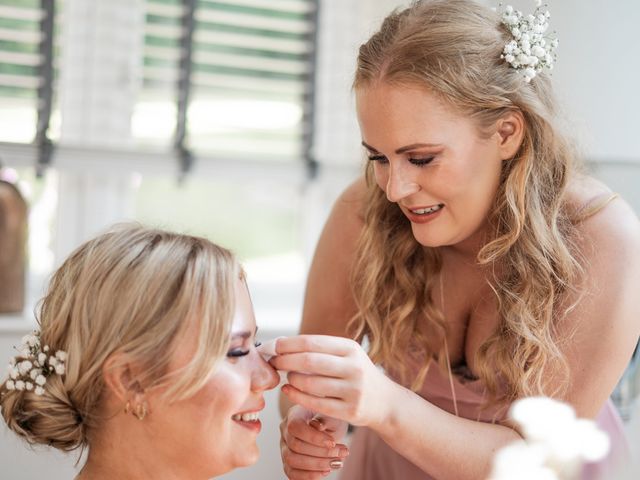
(555, 445)
(531, 49)
(33, 365)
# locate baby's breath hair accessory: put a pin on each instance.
(32, 366)
(530, 50)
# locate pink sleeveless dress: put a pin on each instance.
(372, 459)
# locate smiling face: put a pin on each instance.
(431, 161)
(215, 430)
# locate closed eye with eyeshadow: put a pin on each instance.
(420, 162)
(238, 352)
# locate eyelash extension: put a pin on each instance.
(237, 353)
(241, 353)
(420, 162)
(378, 158)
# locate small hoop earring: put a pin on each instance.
(141, 411)
(127, 408)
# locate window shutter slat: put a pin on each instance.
(168, 54)
(20, 13)
(252, 41)
(20, 36)
(253, 21)
(288, 6)
(265, 87)
(169, 32)
(21, 81)
(250, 62)
(164, 9)
(14, 58)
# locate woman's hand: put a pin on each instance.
(309, 444)
(335, 377)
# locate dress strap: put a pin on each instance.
(446, 350)
(594, 205)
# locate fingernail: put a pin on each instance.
(324, 474)
(339, 451)
(317, 424)
(336, 464)
(269, 348)
(329, 444)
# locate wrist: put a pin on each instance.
(392, 401)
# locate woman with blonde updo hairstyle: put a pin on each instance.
(476, 259)
(161, 377)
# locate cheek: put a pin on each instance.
(487, 178)
(478, 174)
(223, 394)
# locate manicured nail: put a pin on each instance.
(317, 424)
(336, 464)
(339, 451)
(269, 349)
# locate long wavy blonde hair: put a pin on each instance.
(452, 48)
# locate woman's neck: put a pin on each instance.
(123, 457)
(469, 248)
(100, 467)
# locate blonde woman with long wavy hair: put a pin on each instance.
(476, 260)
(145, 359)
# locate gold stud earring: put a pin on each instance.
(141, 410)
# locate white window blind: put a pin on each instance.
(25, 68)
(249, 71)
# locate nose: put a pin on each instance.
(400, 184)
(264, 376)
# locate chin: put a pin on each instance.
(232, 456)
(427, 239)
(248, 457)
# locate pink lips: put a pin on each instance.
(424, 218)
(253, 425)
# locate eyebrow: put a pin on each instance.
(406, 148)
(244, 335)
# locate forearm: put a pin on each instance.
(439, 443)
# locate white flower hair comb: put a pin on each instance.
(32, 366)
(531, 49)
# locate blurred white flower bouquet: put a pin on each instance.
(556, 443)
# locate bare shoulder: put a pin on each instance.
(612, 230)
(346, 219)
(351, 202)
(605, 323)
(328, 303)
